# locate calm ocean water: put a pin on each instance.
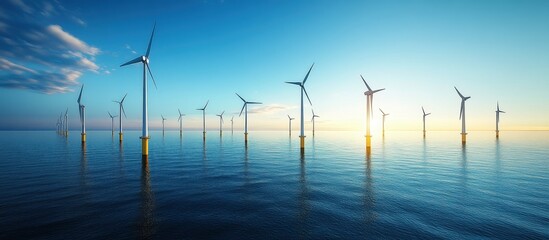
(53, 188)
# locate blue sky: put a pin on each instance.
(208, 50)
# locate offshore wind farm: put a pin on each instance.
(346, 171)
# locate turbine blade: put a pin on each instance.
(206, 105)
(498, 106)
(378, 90)
(110, 114)
(423, 110)
(242, 109)
(123, 111)
(254, 103)
(459, 92)
(307, 95)
(294, 83)
(148, 68)
(427, 114)
(289, 117)
(179, 111)
(365, 83)
(150, 42)
(80, 95)
(307, 76)
(222, 113)
(121, 102)
(501, 111)
(240, 97)
(135, 60)
(382, 111)
(461, 109)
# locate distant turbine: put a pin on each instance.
(290, 125)
(163, 119)
(112, 122)
(121, 110)
(145, 61)
(180, 119)
(204, 119)
(220, 123)
(245, 106)
(462, 116)
(369, 111)
(497, 119)
(232, 123)
(424, 115)
(383, 122)
(302, 86)
(67, 122)
(82, 113)
(313, 120)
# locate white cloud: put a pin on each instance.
(71, 41)
(15, 68)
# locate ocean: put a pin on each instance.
(52, 187)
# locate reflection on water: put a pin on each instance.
(146, 220)
(369, 198)
(303, 201)
(83, 168)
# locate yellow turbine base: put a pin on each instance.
(497, 134)
(245, 137)
(83, 137)
(121, 136)
(424, 133)
(145, 146)
(204, 136)
(368, 141)
(302, 142)
(463, 138)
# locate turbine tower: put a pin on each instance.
(424, 115)
(383, 122)
(369, 111)
(204, 119)
(462, 116)
(290, 125)
(145, 61)
(497, 119)
(121, 110)
(66, 123)
(82, 113)
(245, 106)
(180, 119)
(232, 123)
(163, 119)
(112, 122)
(302, 86)
(313, 120)
(220, 123)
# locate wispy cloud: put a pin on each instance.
(269, 109)
(38, 56)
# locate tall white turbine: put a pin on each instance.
(462, 116)
(245, 106)
(112, 122)
(121, 110)
(220, 123)
(497, 119)
(163, 120)
(82, 113)
(232, 124)
(290, 124)
(369, 111)
(424, 115)
(313, 120)
(383, 122)
(204, 119)
(302, 86)
(180, 119)
(145, 61)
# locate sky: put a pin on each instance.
(209, 50)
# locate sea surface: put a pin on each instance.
(407, 187)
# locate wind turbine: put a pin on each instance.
(497, 119)
(163, 119)
(245, 106)
(112, 122)
(369, 111)
(67, 123)
(313, 120)
(290, 126)
(204, 119)
(232, 123)
(220, 123)
(302, 86)
(383, 122)
(145, 61)
(424, 115)
(82, 113)
(462, 116)
(121, 110)
(180, 119)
